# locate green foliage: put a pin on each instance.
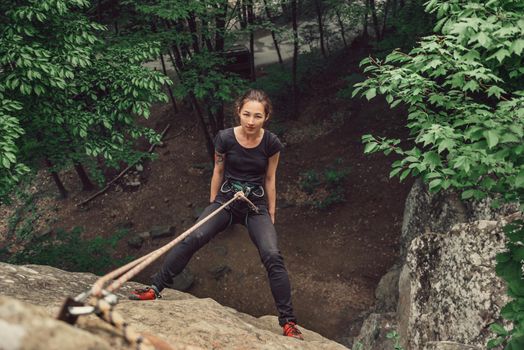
(66, 95)
(309, 181)
(26, 214)
(358, 346)
(396, 338)
(326, 188)
(278, 83)
(11, 170)
(203, 76)
(465, 103)
(509, 268)
(351, 80)
(22, 222)
(464, 92)
(406, 27)
(70, 252)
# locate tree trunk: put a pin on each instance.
(394, 8)
(220, 24)
(375, 19)
(295, 57)
(177, 61)
(342, 30)
(212, 121)
(173, 101)
(242, 14)
(191, 22)
(284, 7)
(365, 31)
(87, 185)
(277, 48)
(56, 178)
(209, 142)
(220, 117)
(251, 20)
(185, 50)
(318, 9)
(172, 59)
(386, 8)
(205, 36)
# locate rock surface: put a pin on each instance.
(24, 326)
(445, 292)
(373, 334)
(182, 320)
(425, 212)
(386, 293)
(438, 213)
(449, 345)
(448, 287)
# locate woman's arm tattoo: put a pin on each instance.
(219, 158)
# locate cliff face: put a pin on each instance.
(443, 292)
(448, 288)
(30, 297)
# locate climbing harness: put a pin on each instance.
(101, 301)
(247, 188)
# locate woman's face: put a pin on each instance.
(252, 116)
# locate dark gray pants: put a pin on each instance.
(263, 235)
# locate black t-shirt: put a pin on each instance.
(246, 164)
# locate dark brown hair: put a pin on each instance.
(255, 95)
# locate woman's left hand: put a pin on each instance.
(272, 216)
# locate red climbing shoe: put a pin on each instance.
(291, 330)
(144, 294)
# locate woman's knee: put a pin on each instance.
(272, 259)
(196, 240)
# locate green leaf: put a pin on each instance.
(404, 174)
(432, 159)
(498, 329)
(468, 194)
(495, 90)
(394, 172)
(483, 39)
(519, 180)
(517, 46)
(446, 144)
(6, 163)
(518, 253)
(371, 93)
(435, 183)
(492, 138)
(503, 257)
(500, 55)
(493, 343)
(370, 147)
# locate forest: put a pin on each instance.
(109, 110)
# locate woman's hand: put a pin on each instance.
(272, 216)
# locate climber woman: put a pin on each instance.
(246, 158)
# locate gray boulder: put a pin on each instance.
(448, 288)
(438, 213)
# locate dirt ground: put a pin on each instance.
(335, 257)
